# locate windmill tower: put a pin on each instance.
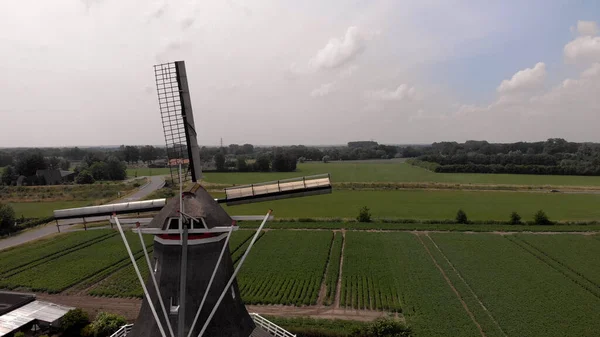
(192, 289)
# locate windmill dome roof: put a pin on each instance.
(197, 203)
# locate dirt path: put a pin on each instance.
(452, 287)
(323, 290)
(338, 289)
(467, 284)
(130, 307)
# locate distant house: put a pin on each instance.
(55, 177)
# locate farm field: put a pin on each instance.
(395, 171)
(44, 209)
(444, 284)
(392, 271)
(430, 204)
(74, 267)
(124, 283)
(516, 287)
(159, 171)
(285, 267)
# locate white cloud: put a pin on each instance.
(339, 52)
(584, 49)
(348, 71)
(157, 10)
(525, 79)
(323, 90)
(592, 71)
(589, 28)
(402, 92)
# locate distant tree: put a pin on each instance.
(326, 159)
(30, 163)
(54, 163)
(6, 158)
(540, 218)
(515, 218)
(131, 154)
(84, 177)
(147, 153)
(65, 165)
(116, 169)
(8, 175)
(262, 164)
(73, 321)
(220, 161)
(283, 162)
(301, 160)
(106, 324)
(7, 218)
(99, 170)
(241, 164)
(92, 157)
(247, 149)
(461, 217)
(364, 215)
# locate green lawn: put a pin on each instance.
(432, 204)
(43, 209)
(397, 172)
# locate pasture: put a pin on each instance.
(396, 171)
(431, 204)
(44, 209)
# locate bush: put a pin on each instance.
(84, 177)
(20, 334)
(106, 324)
(7, 219)
(364, 215)
(515, 218)
(74, 321)
(461, 217)
(541, 219)
(383, 327)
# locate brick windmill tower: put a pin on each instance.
(192, 289)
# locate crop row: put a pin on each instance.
(527, 296)
(24, 255)
(61, 273)
(333, 268)
(285, 267)
(124, 282)
(392, 271)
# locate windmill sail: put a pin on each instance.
(177, 117)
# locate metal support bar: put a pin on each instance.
(140, 278)
(225, 245)
(162, 304)
(235, 272)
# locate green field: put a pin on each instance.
(285, 267)
(75, 266)
(139, 172)
(444, 284)
(392, 271)
(526, 296)
(431, 204)
(43, 209)
(397, 172)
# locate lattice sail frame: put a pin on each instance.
(177, 119)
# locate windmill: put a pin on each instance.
(192, 289)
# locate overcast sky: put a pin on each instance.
(79, 72)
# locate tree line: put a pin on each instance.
(555, 156)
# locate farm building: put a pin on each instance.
(55, 177)
(22, 312)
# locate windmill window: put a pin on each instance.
(174, 306)
(174, 223)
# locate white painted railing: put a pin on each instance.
(270, 327)
(262, 322)
(123, 331)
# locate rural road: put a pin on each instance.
(154, 184)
